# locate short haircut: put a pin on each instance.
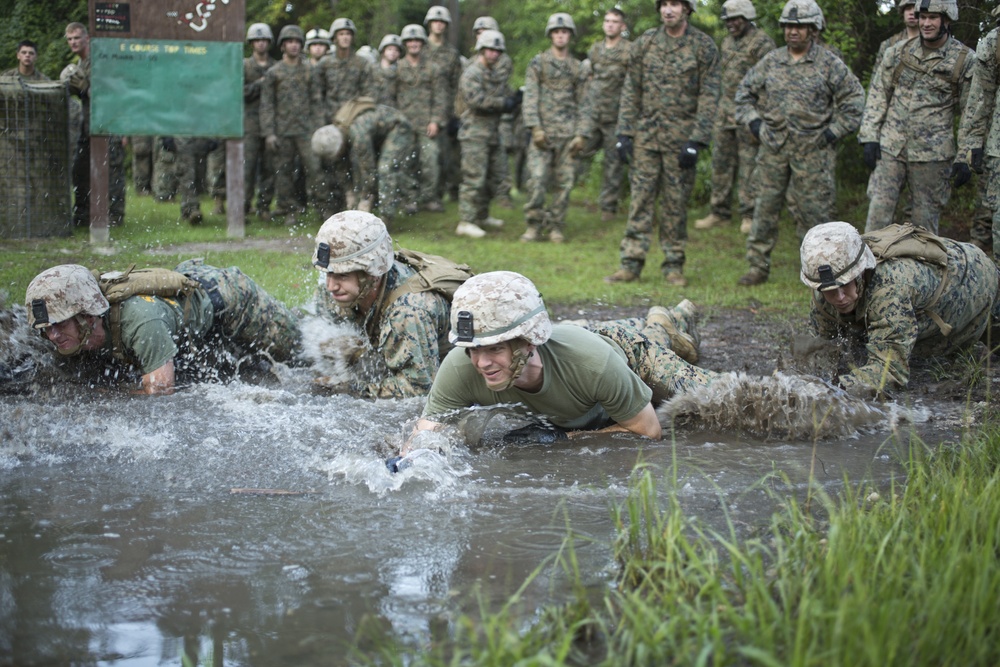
(617, 12)
(27, 42)
(76, 27)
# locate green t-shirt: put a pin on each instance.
(152, 327)
(586, 383)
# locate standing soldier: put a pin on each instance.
(798, 101)
(554, 113)
(27, 53)
(668, 106)
(734, 149)
(317, 45)
(340, 76)
(907, 129)
(256, 159)
(979, 134)
(142, 165)
(609, 63)
(447, 59)
(286, 121)
(908, 12)
(422, 95)
(390, 50)
(485, 96)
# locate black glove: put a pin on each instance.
(519, 96)
(168, 144)
(624, 147)
(960, 174)
(873, 153)
(830, 137)
(977, 160)
(453, 125)
(755, 128)
(397, 463)
(509, 104)
(534, 434)
(688, 159)
(211, 145)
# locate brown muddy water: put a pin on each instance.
(122, 541)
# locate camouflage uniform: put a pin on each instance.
(669, 98)
(257, 160)
(734, 148)
(142, 164)
(981, 227)
(500, 183)
(382, 152)
(978, 131)
(553, 101)
(385, 85)
(892, 314)
(797, 102)
(884, 46)
(449, 63)
(284, 112)
(910, 113)
(164, 168)
(408, 340)
(191, 151)
(15, 73)
(422, 96)
(609, 67)
(335, 81)
(483, 91)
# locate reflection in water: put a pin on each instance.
(121, 540)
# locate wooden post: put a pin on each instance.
(235, 190)
(100, 232)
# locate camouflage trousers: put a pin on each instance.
(800, 172)
(929, 189)
(289, 148)
(142, 164)
(258, 173)
(647, 349)
(449, 161)
(734, 156)
(612, 169)
(993, 201)
(249, 318)
(388, 174)
(656, 172)
(429, 174)
(504, 182)
(164, 171)
(190, 152)
(981, 227)
(482, 164)
(81, 181)
(554, 166)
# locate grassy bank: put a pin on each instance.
(903, 576)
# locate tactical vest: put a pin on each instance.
(116, 287)
(433, 274)
(350, 110)
(908, 61)
(911, 242)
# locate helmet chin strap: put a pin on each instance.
(86, 329)
(519, 359)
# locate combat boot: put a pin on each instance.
(746, 225)
(753, 277)
(365, 205)
(556, 236)
(434, 206)
(220, 206)
(490, 221)
(471, 230)
(688, 314)
(709, 221)
(529, 235)
(621, 276)
(608, 216)
(675, 278)
(682, 344)
(264, 214)
(194, 217)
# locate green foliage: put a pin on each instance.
(45, 24)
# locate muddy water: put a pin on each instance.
(121, 540)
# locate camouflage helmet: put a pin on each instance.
(947, 7)
(498, 306)
(328, 142)
(413, 31)
(291, 32)
(732, 9)
(802, 12)
(438, 13)
(491, 39)
(368, 53)
(390, 40)
(905, 3)
(689, 3)
(57, 294)
(560, 20)
(353, 241)
(342, 24)
(318, 36)
(833, 255)
(485, 23)
(259, 31)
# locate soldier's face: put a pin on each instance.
(391, 53)
(77, 41)
(673, 13)
(491, 56)
(930, 25)
(437, 27)
(345, 288)
(560, 37)
(797, 36)
(26, 57)
(260, 46)
(317, 51)
(910, 16)
(493, 363)
(844, 298)
(292, 47)
(344, 39)
(737, 26)
(413, 46)
(68, 336)
(613, 25)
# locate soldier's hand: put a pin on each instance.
(688, 158)
(873, 153)
(432, 130)
(960, 174)
(78, 82)
(272, 142)
(168, 144)
(755, 128)
(519, 96)
(538, 137)
(509, 104)
(624, 147)
(577, 145)
(977, 160)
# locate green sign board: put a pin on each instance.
(166, 87)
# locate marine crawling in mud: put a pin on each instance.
(154, 323)
(902, 292)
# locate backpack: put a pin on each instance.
(117, 287)
(433, 274)
(350, 110)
